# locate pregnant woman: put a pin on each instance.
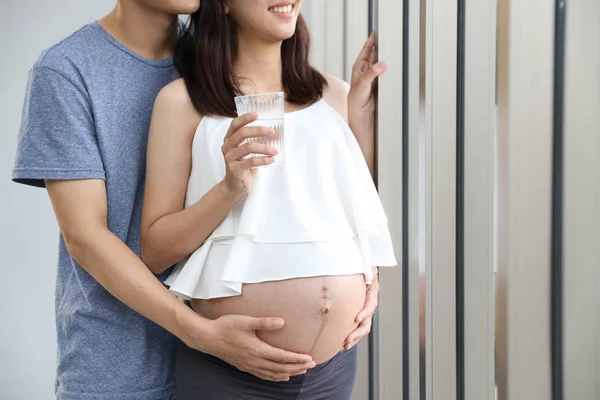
(295, 240)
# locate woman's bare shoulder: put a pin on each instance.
(336, 94)
(174, 104)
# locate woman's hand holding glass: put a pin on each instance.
(240, 168)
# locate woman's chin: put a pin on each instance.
(283, 34)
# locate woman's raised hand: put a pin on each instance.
(361, 100)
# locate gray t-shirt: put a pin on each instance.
(86, 116)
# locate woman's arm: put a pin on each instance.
(356, 102)
(336, 95)
(169, 233)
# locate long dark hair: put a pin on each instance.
(205, 56)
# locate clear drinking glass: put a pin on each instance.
(270, 110)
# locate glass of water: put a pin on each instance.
(270, 110)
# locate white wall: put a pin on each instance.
(28, 231)
(338, 30)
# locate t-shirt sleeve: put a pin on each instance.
(57, 138)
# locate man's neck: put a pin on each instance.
(150, 33)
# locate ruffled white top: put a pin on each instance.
(317, 214)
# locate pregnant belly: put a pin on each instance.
(319, 312)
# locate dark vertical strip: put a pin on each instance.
(371, 12)
(374, 336)
(405, 200)
(374, 359)
(460, 204)
(556, 292)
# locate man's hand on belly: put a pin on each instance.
(232, 338)
(365, 316)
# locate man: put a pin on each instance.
(83, 137)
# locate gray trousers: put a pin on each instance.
(203, 377)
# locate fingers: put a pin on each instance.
(375, 273)
(253, 162)
(281, 356)
(285, 370)
(250, 354)
(248, 148)
(264, 374)
(367, 48)
(364, 328)
(371, 301)
(369, 308)
(372, 56)
(365, 59)
(236, 138)
(268, 375)
(277, 365)
(239, 122)
(250, 132)
(371, 74)
(263, 324)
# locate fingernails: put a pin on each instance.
(270, 131)
(277, 323)
(313, 364)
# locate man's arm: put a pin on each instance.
(81, 211)
(80, 207)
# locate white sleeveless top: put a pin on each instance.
(317, 214)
